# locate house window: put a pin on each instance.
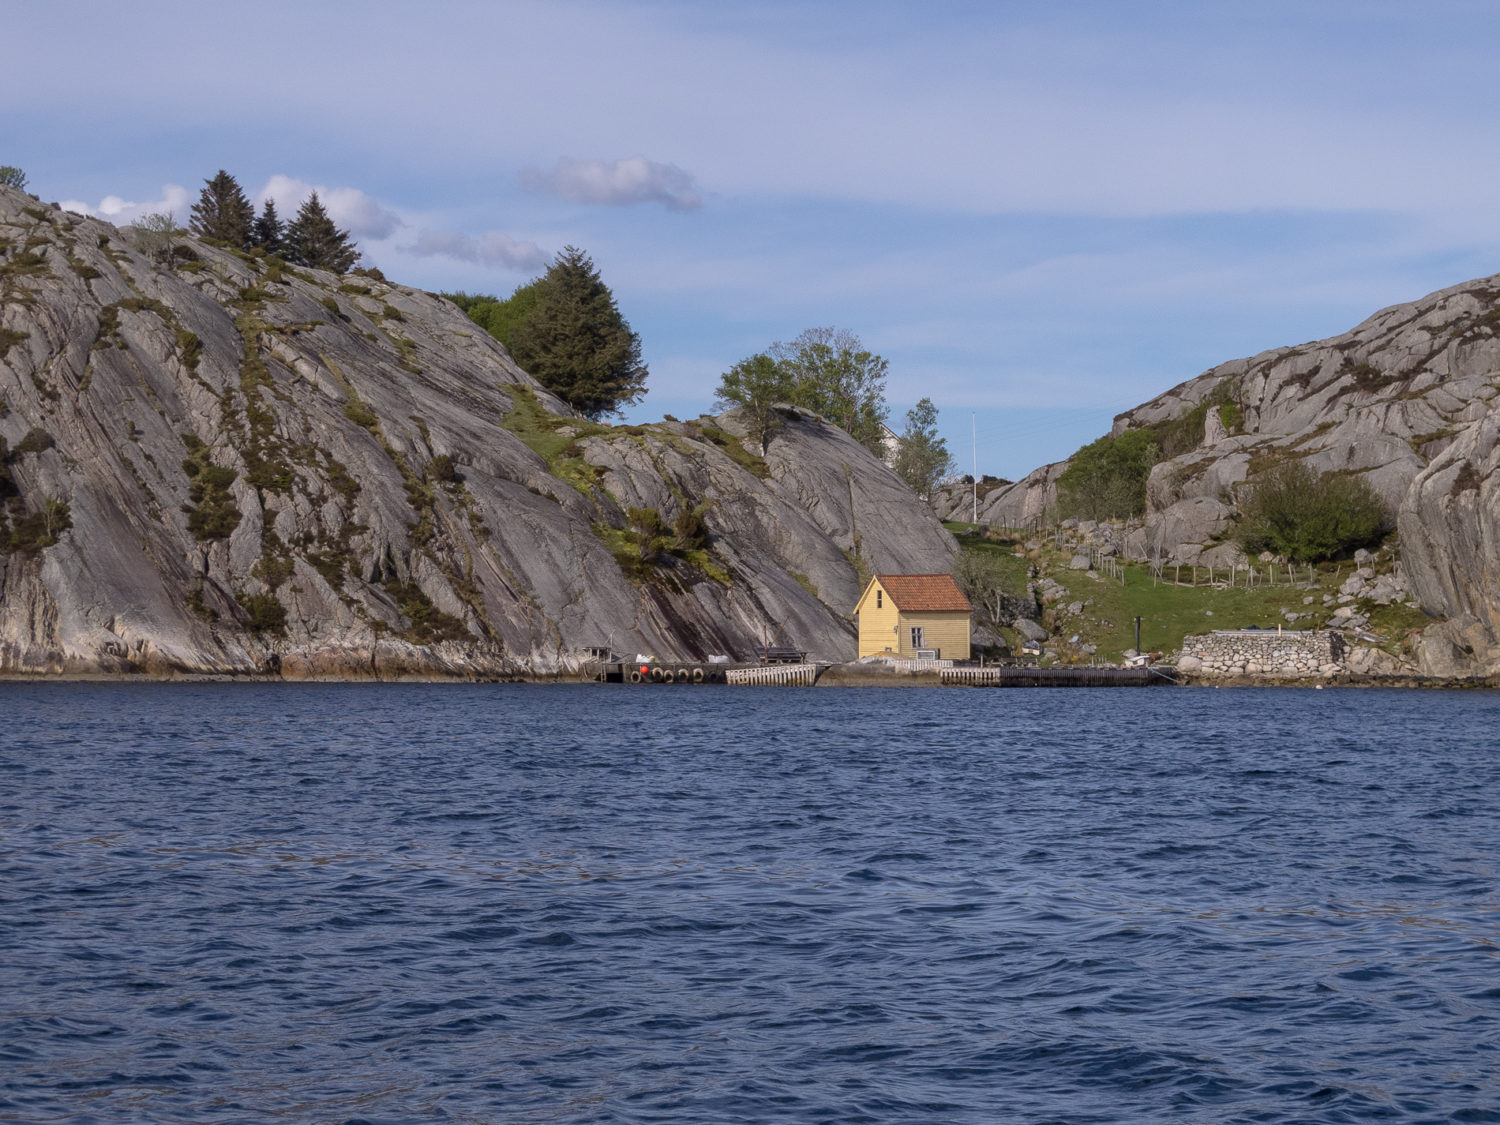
(879, 598)
(916, 637)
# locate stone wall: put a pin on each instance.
(1236, 652)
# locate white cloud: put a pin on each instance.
(175, 200)
(618, 183)
(492, 248)
(350, 208)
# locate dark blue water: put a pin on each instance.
(590, 904)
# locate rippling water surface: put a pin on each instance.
(589, 904)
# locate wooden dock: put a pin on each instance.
(806, 674)
(625, 672)
(783, 675)
(1070, 676)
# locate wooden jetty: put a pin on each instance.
(655, 672)
(784, 675)
(1004, 675)
(806, 674)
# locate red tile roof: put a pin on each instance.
(925, 593)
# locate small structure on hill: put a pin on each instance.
(911, 614)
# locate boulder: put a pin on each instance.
(1031, 630)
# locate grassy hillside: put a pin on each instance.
(1170, 611)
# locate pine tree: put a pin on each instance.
(222, 212)
(575, 342)
(268, 231)
(312, 240)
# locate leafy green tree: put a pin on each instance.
(756, 385)
(222, 212)
(11, 176)
(499, 318)
(1106, 479)
(991, 587)
(923, 459)
(312, 240)
(154, 234)
(268, 230)
(1309, 516)
(835, 375)
(574, 341)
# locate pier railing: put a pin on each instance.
(1074, 676)
(785, 675)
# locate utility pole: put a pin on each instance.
(1137, 634)
(974, 442)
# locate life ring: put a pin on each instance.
(697, 675)
(635, 677)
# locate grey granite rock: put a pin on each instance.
(409, 501)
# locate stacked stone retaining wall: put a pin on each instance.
(1241, 652)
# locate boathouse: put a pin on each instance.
(911, 614)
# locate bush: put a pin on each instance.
(40, 529)
(265, 611)
(1106, 479)
(690, 529)
(1308, 516)
(648, 531)
(213, 513)
(429, 625)
(35, 441)
(192, 348)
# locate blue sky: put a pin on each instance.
(1040, 214)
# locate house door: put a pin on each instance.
(916, 638)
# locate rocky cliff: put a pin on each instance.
(214, 463)
(1406, 400)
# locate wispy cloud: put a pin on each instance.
(618, 183)
(354, 210)
(175, 200)
(492, 248)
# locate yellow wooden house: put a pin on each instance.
(904, 614)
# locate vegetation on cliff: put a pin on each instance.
(566, 331)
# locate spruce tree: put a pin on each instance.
(312, 240)
(268, 230)
(575, 342)
(222, 212)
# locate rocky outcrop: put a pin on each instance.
(1450, 534)
(1023, 503)
(1381, 401)
(1406, 400)
(231, 466)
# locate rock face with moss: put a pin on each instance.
(214, 463)
(1406, 401)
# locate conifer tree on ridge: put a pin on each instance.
(268, 230)
(574, 341)
(312, 240)
(222, 212)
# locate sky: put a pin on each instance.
(1040, 213)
